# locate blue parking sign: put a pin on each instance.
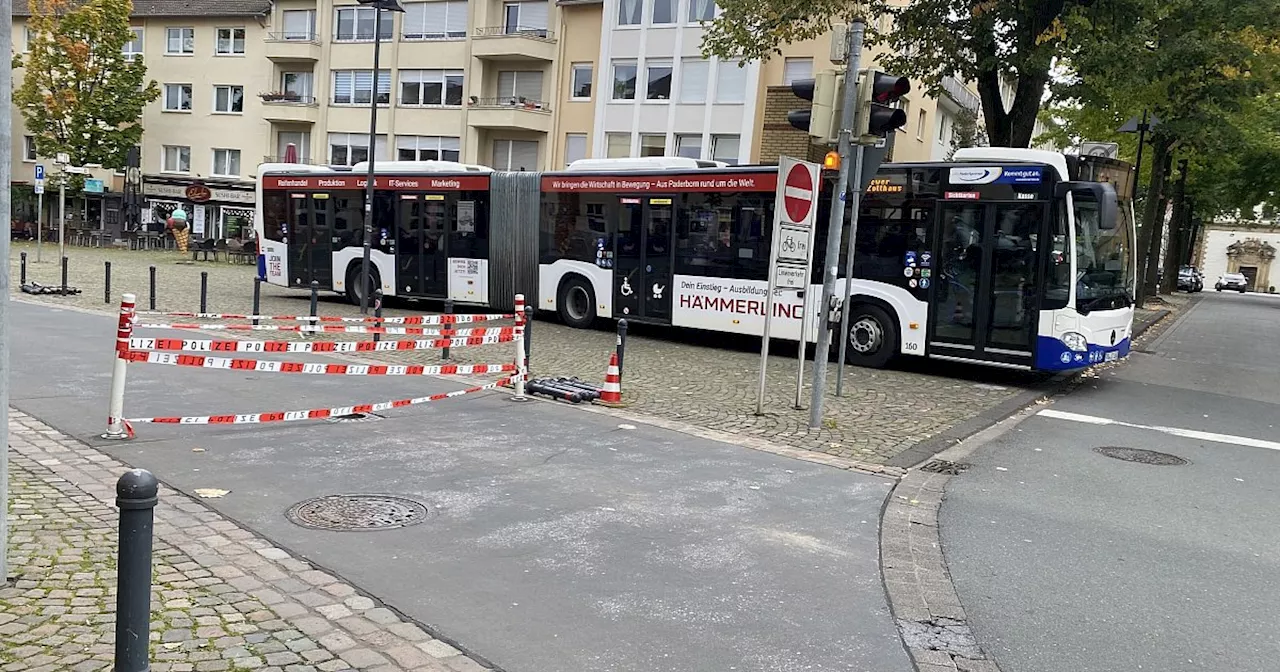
(39, 171)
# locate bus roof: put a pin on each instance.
(401, 167)
(643, 163)
(1015, 155)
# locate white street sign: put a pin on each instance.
(791, 277)
(793, 244)
(40, 187)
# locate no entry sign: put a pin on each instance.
(798, 195)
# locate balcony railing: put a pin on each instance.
(286, 98)
(510, 102)
(955, 90)
(300, 159)
(516, 31)
(417, 36)
(294, 36)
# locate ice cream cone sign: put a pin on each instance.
(177, 223)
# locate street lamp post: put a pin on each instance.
(380, 6)
(1134, 125)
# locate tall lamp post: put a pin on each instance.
(380, 6)
(1139, 126)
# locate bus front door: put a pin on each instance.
(984, 304)
(311, 240)
(421, 257)
(643, 258)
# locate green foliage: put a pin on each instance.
(79, 93)
(966, 132)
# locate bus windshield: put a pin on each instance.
(1104, 258)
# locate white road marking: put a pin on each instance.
(1175, 431)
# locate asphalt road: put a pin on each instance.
(1068, 560)
(558, 539)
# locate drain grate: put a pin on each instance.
(357, 512)
(355, 417)
(1141, 456)
(945, 467)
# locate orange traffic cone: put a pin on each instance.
(611, 393)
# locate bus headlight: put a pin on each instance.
(1075, 341)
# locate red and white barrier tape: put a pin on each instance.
(412, 319)
(312, 414)
(488, 337)
(269, 366)
(320, 329)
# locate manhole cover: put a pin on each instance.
(945, 467)
(1141, 456)
(355, 417)
(357, 512)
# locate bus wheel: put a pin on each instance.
(873, 337)
(577, 303)
(354, 290)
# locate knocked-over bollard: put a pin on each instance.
(622, 346)
(448, 327)
(204, 292)
(136, 496)
(106, 281)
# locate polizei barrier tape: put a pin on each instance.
(308, 329)
(411, 319)
(311, 414)
(489, 337)
(316, 368)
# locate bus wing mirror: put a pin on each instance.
(1102, 193)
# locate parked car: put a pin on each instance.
(1190, 280)
(1235, 281)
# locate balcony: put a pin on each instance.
(290, 108)
(507, 43)
(293, 47)
(509, 113)
(301, 160)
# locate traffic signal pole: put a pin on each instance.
(831, 262)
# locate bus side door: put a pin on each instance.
(642, 274)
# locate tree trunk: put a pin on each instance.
(1015, 127)
(1149, 238)
(1177, 227)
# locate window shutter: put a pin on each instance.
(693, 80)
(502, 154)
(434, 19)
(448, 143)
(342, 86)
(524, 155)
(415, 19)
(506, 84)
(533, 15)
(529, 85)
(796, 68)
(297, 25)
(456, 21)
(575, 147)
(732, 82)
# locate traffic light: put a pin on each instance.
(822, 119)
(877, 92)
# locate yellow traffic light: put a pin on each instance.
(831, 161)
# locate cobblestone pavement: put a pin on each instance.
(677, 376)
(222, 598)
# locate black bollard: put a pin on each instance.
(106, 282)
(64, 276)
(24, 269)
(528, 338)
(204, 292)
(315, 297)
(377, 313)
(622, 345)
(448, 327)
(136, 496)
(152, 298)
(257, 297)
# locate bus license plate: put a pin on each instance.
(1111, 356)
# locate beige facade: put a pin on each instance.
(581, 81)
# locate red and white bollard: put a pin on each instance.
(117, 428)
(522, 366)
(611, 393)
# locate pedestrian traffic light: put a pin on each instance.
(877, 93)
(822, 119)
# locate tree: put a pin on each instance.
(80, 94)
(995, 43)
(967, 132)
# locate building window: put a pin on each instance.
(355, 24)
(582, 81)
(624, 81)
(296, 86)
(133, 48)
(28, 148)
(299, 24)
(525, 18)
(520, 85)
(355, 87)
(689, 146)
(226, 162)
(944, 128)
(515, 154)
(180, 41)
(617, 145)
(435, 20)
(230, 42)
(659, 80)
(920, 126)
(796, 68)
(664, 11)
(228, 99)
(629, 12)
(653, 145)
(693, 80)
(725, 148)
(701, 10)
(575, 147)
(301, 141)
(431, 87)
(177, 97)
(348, 149)
(427, 148)
(731, 82)
(176, 159)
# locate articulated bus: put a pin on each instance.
(1015, 258)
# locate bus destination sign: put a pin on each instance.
(885, 185)
(658, 183)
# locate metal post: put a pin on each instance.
(831, 263)
(65, 261)
(39, 225)
(848, 267)
(448, 310)
(315, 298)
(62, 214)
(152, 299)
(6, 136)
(23, 277)
(1142, 141)
(519, 378)
(257, 297)
(373, 160)
(377, 313)
(528, 337)
(621, 346)
(137, 492)
(204, 292)
(116, 426)
(106, 281)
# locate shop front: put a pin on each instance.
(216, 210)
